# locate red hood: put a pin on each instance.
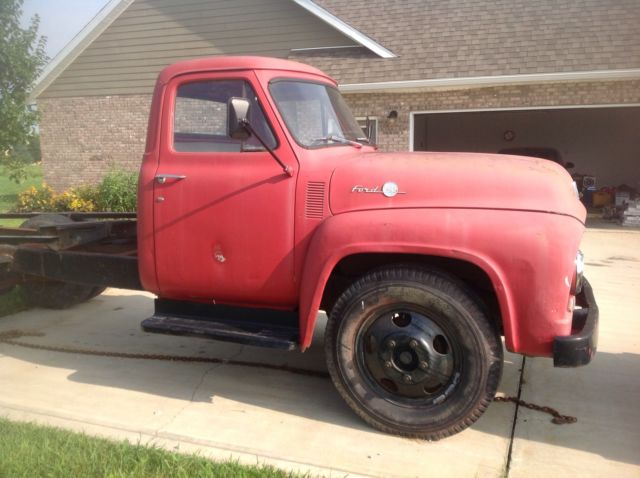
(454, 180)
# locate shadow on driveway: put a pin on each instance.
(110, 323)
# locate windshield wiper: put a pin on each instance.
(338, 139)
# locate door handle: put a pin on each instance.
(162, 178)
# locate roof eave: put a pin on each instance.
(345, 28)
(486, 81)
(78, 44)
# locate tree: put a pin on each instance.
(22, 57)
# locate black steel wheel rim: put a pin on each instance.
(408, 356)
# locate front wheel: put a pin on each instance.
(412, 352)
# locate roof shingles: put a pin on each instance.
(463, 38)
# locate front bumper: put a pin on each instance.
(580, 347)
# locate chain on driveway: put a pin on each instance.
(11, 337)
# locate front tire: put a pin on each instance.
(412, 352)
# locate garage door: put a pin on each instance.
(600, 141)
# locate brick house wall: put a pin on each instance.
(200, 116)
(82, 138)
(394, 136)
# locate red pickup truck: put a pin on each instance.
(261, 202)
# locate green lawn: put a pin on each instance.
(29, 450)
(9, 191)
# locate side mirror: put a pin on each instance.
(237, 111)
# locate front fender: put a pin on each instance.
(451, 233)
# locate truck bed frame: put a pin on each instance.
(98, 249)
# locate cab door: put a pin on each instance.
(223, 208)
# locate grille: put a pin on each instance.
(314, 207)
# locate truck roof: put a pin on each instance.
(222, 63)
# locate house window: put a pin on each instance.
(372, 134)
(200, 118)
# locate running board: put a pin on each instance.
(257, 327)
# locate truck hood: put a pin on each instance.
(453, 180)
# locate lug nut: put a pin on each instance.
(413, 344)
(391, 343)
(424, 365)
(388, 364)
(407, 378)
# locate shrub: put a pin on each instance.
(39, 198)
(43, 199)
(117, 191)
(76, 199)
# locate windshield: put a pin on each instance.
(315, 114)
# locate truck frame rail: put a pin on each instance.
(97, 249)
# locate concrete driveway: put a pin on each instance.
(299, 422)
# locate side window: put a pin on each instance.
(200, 118)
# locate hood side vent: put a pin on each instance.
(314, 206)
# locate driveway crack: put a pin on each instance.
(196, 389)
(515, 418)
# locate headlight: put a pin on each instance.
(574, 187)
(576, 285)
